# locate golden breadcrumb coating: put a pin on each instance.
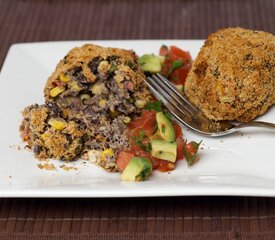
(233, 76)
(91, 96)
(47, 140)
(81, 57)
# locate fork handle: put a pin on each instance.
(257, 124)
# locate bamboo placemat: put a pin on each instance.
(149, 218)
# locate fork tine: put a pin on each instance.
(196, 121)
(165, 96)
(172, 87)
(182, 117)
(171, 95)
(183, 105)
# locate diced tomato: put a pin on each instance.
(178, 130)
(149, 114)
(141, 153)
(166, 166)
(137, 151)
(179, 75)
(155, 162)
(180, 143)
(144, 123)
(177, 53)
(179, 140)
(163, 166)
(123, 159)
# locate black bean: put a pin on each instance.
(78, 149)
(94, 64)
(75, 71)
(55, 110)
(78, 75)
(112, 58)
(131, 65)
(37, 149)
(69, 138)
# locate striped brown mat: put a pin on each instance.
(151, 218)
(205, 215)
(139, 236)
(50, 20)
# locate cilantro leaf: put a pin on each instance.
(138, 140)
(112, 68)
(157, 106)
(177, 64)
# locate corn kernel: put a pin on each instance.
(84, 96)
(140, 103)
(126, 120)
(64, 78)
(98, 89)
(103, 66)
(107, 152)
(56, 91)
(58, 123)
(102, 103)
(74, 86)
(43, 136)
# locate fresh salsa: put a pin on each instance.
(156, 141)
(155, 137)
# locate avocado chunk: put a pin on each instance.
(164, 150)
(138, 169)
(165, 127)
(150, 63)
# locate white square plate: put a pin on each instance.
(242, 164)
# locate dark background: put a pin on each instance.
(51, 20)
(144, 218)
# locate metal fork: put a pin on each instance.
(178, 105)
